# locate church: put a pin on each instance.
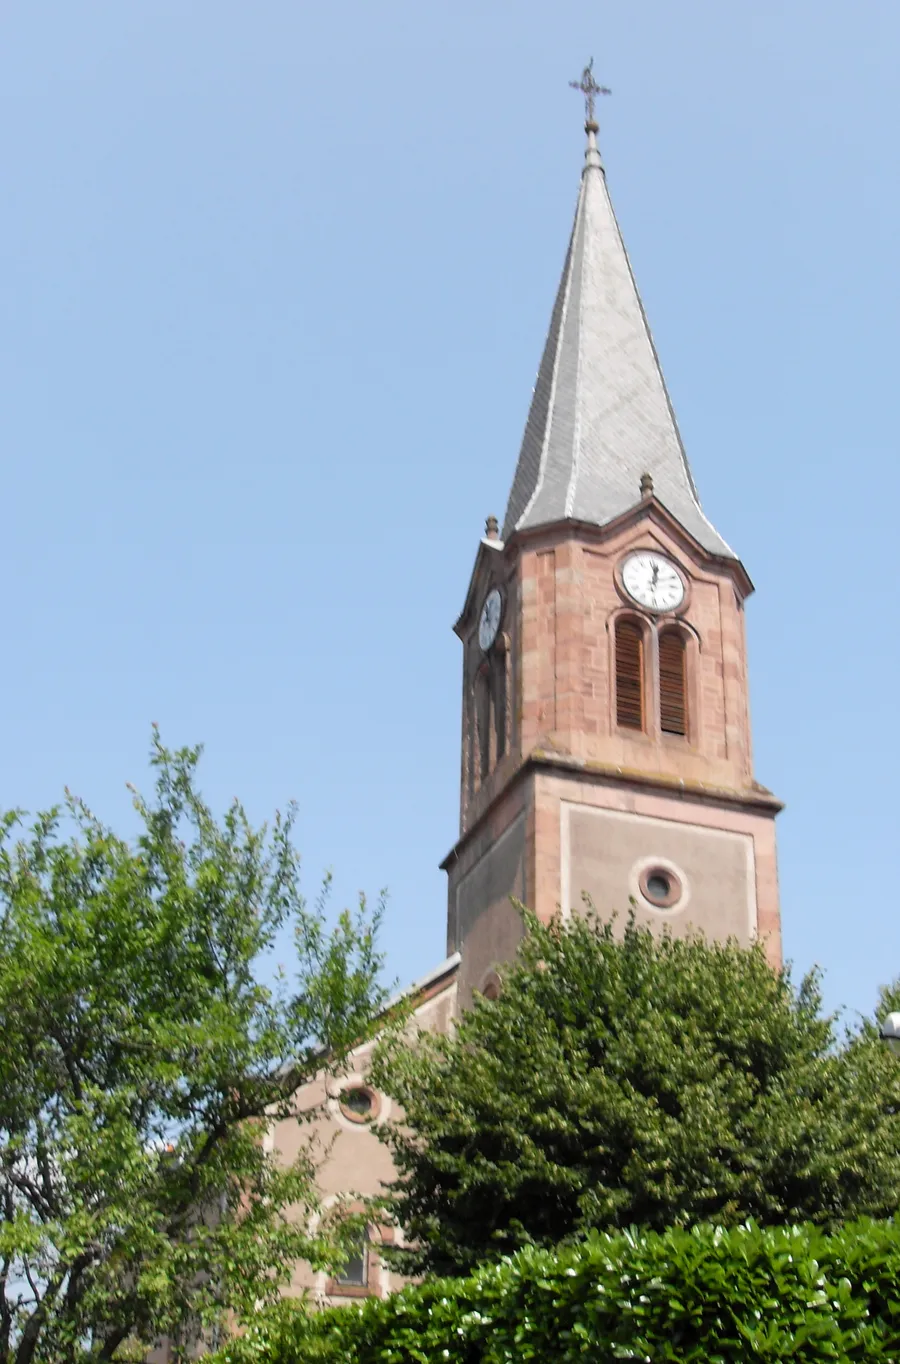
(606, 745)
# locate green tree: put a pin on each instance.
(632, 1080)
(141, 1058)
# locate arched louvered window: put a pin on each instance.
(483, 720)
(629, 674)
(673, 715)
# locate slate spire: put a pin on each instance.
(600, 416)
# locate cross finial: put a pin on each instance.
(590, 89)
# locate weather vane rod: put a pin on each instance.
(590, 89)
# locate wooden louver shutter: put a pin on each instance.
(672, 683)
(629, 675)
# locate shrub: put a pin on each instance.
(705, 1296)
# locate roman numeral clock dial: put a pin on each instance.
(652, 582)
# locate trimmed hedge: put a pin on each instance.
(706, 1296)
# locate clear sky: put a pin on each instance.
(275, 283)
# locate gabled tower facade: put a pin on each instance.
(605, 733)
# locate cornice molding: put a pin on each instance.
(756, 798)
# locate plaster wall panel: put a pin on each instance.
(351, 1161)
(488, 926)
(604, 853)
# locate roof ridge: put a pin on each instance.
(592, 162)
(659, 369)
(568, 270)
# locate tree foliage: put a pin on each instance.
(629, 1079)
(703, 1296)
(142, 1057)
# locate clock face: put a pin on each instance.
(489, 623)
(652, 581)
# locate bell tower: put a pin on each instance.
(606, 747)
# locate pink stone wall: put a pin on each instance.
(570, 599)
(563, 597)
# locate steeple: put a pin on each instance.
(600, 416)
(606, 746)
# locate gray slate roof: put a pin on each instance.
(600, 417)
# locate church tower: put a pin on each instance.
(605, 723)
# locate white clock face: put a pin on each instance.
(489, 623)
(652, 581)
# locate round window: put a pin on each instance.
(359, 1103)
(491, 986)
(660, 886)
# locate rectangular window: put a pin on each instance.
(355, 1273)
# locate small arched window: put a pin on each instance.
(629, 674)
(673, 714)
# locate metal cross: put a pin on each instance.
(590, 89)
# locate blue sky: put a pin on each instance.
(275, 282)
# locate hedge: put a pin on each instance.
(707, 1295)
